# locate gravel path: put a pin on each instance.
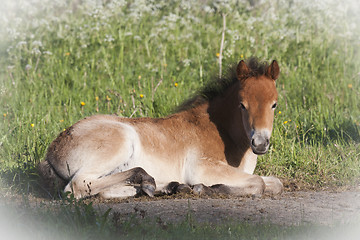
(291, 208)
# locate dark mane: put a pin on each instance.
(218, 86)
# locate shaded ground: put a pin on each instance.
(292, 208)
(339, 210)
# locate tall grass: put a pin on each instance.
(65, 60)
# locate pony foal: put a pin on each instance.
(213, 140)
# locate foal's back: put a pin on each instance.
(104, 144)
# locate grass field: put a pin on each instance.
(64, 60)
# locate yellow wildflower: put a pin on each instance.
(279, 112)
(61, 120)
(82, 104)
(32, 125)
(285, 122)
(241, 56)
(141, 96)
(108, 98)
(139, 77)
(217, 54)
(176, 84)
(4, 114)
(349, 85)
(97, 98)
(67, 54)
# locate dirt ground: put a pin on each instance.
(291, 208)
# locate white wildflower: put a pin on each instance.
(117, 3)
(138, 38)
(192, 18)
(185, 36)
(2, 92)
(228, 53)
(109, 38)
(172, 17)
(28, 67)
(20, 44)
(35, 51)
(37, 44)
(208, 9)
(96, 28)
(252, 40)
(186, 62)
(222, 5)
(95, 13)
(185, 5)
(154, 35)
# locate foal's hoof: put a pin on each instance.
(221, 189)
(176, 187)
(201, 189)
(148, 188)
(171, 188)
(183, 188)
(273, 186)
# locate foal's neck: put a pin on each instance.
(224, 112)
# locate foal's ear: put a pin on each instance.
(273, 70)
(242, 70)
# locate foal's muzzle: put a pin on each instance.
(260, 142)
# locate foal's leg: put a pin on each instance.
(231, 181)
(121, 184)
(139, 182)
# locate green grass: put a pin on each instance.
(56, 55)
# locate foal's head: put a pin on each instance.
(257, 98)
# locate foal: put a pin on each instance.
(213, 141)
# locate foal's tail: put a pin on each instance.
(53, 184)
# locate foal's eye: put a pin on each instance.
(274, 106)
(242, 106)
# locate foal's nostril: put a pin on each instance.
(258, 143)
